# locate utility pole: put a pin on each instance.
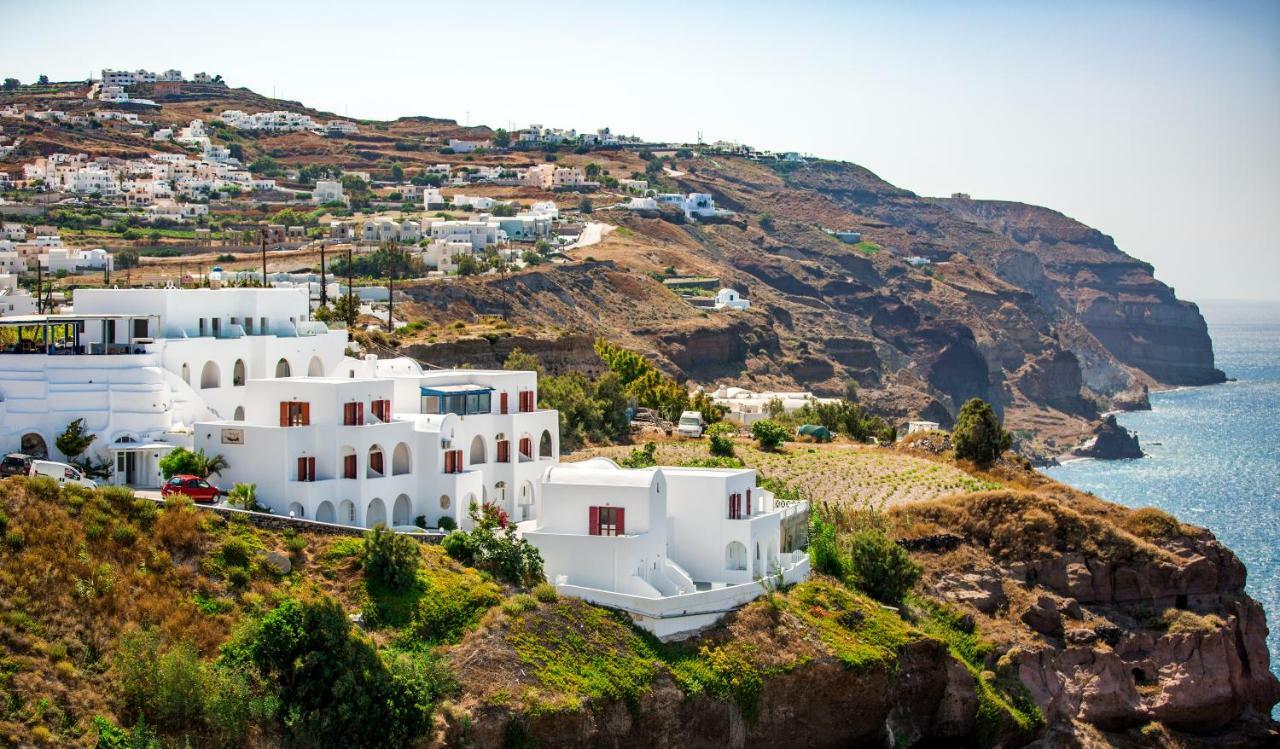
(351, 281)
(324, 294)
(264, 257)
(39, 287)
(392, 257)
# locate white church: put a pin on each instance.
(247, 374)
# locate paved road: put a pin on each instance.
(592, 233)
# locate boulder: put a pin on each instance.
(1043, 617)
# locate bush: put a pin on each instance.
(518, 604)
(641, 457)
(720, 439)
(448, 524)
(545, 592)
(460, 546)
(824, 548)
(769, 434)
(494, 547)
(881, 567)
(391, 558)
(978, 434)
(235, 553)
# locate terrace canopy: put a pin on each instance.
(75, 334)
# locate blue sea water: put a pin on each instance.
(1213, 453)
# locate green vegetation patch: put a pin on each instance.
(860, 632)
(867, 248)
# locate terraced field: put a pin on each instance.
(841, 473)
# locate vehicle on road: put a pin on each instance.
(15, 464)
(61, 472)
(198, 489)
(691, 424)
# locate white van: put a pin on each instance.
(691, 424)
(61, 472)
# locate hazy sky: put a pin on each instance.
(1158, 123)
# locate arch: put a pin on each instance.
(400, 511)
(735, 556)
(525, 501)
(315, 367)
(186, 373)
(239, 414)
(33, 444)
(296, 510)
(445, 502)
(237, 374)
(210, 376)
(500, 493)
(282, 368)
(377, 513)
(546, 448)
(477, 450)
(347, 512)
(325, 513)
(400, 460)
(376, 466)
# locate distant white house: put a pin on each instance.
(74, 260)
(465, 146)
(918, 261)
(730, 299)
(328, 191)
(14, 300)
(922, 426)
(745, 407)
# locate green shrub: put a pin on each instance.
(518, 604)
(235, 553)
(881, 567)
(391, 558)
(448, 524)
(238, 576)
(824, 548)
(720, 439)
(460, 546)
(43, 488)
(14, 538)
(978, 434)
(545, 592)
(769, 434)
(123, 535)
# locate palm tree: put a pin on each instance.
(209, 466)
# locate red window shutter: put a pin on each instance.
(593, 521)
(311, 469)
(502, 400)
(302, 469)
(306, 414)
(284, 413)
(448, 461)
(618, 515)
(352, 466)
(359, 414)
(748, 503)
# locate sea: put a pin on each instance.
(1213, 453)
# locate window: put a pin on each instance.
(735, 506)
(295, 414)
(382, 409)
(606, 521)
(349, 467)
(352, 414)
(502, 401)
(375, 462)
(528, 401)
(306, 469)
(504, 451)
(526, 448)
(453, 461)
(430, 404)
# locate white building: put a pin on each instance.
(14, 300)
(673, 547)
(747, 407)
(465, 146)
(730, 299)
(480, 234)
(328, 191)
(74, 260)
(142, 365)
(922, 426)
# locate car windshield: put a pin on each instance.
(689, 421)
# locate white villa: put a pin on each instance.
(730, 299)
(746, 407)
(673, 547)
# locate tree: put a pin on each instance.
(391, 558)
(978, 434)
(43, 80)
(397, 172)
(520, 360)
(10, 84)
(720, 439)
(468, 265)
(74, 440)
(584, 205)
(493, 546)
(501, 138)
(881, 567)
(244, 496)
(710, 410)
(181, 461)
(345, 309)
(769, 434)
(126, 258)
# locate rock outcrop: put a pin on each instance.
(1110, 441)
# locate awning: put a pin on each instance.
(456, 390)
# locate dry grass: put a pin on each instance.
(841, 473)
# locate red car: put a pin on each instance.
(198, 489)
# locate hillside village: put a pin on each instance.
(560, 437)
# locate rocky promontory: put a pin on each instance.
(1110, 441)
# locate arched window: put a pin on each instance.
(477, 450)
(377, 513)
(500, 493)
(376, 467)
(237, 374)
(735, 556)
(347, 512)
(400, 511)
(400, 462)
(210, 376)
(315, 368)
(526, 501)
(296, 510)
(545, 447)
(325, 513)
(34, 445)
(282, 368)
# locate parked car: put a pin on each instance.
(61, 472)
(15, 464)
(198, 489)
(691, 424)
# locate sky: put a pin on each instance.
(1156, 122)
